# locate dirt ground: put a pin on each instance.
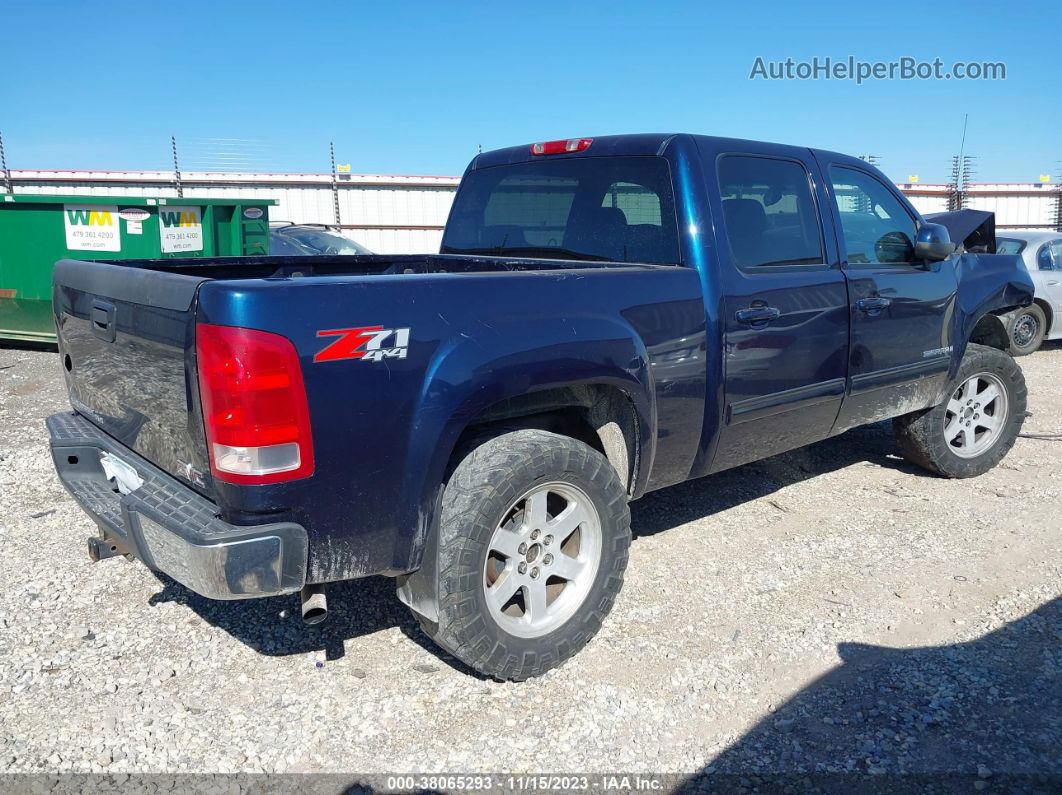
(829, 610)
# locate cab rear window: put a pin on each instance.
(619, 209)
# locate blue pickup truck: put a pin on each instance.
(607, 317)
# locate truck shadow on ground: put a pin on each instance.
(938, 718)
(871, 445)
(274, 626)
(362, 607)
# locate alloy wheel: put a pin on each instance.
(975, 415)
(542, 560)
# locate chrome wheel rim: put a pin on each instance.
(975, 415)
(542, 560)
(1025, 330)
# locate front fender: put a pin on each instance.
(472, 372)
(987, 283)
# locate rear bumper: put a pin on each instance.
(170, 527)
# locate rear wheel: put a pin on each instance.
(971, 431)
(533, 539)
(1026, 330)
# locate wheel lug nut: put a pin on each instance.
(522, 568)
(548, 559)
(534, 573)
(547, 540)
(534, 535)
(522, 549)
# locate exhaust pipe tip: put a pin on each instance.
(314, 604)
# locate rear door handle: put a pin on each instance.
(757, 316)
(872, 305)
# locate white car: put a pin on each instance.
(1042, 320)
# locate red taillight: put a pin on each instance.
(254, 405)
(560, 147)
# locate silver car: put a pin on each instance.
(312, 238)
(1042, 320)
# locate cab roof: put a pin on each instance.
(637, 145)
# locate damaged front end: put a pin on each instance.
(972, 231)
(989, 285)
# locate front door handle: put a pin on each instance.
(758, 315)
(872, 305)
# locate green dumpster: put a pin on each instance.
(35, 231)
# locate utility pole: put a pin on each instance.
(335, 181)
(3, 167)
(176, 168)
(1058, 199)
(962, 143)
(969, 168)
(963, 168)
(960, 180)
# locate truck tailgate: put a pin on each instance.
(126, 341)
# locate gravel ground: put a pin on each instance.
(830, 609)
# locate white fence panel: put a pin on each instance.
(398, 214)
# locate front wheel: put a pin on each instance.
(1027, 329)
(971, 431)
(534, 531)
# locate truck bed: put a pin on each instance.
(127, 337)
(363, 265)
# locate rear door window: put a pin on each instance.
(1050, 256)
(769, 212)
(618, 209)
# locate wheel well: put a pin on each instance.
(991, 331)
(1048, 313)
(602, 417)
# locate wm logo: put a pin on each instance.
(90, 218)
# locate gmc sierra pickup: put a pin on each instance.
(607, 316)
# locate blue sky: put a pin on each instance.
(415, 88)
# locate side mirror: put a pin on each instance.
(933, 243)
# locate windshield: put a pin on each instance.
(323, 242)
(618, 209)
(282, 245)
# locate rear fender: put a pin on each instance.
(470, 374)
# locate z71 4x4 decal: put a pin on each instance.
(371, 343)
